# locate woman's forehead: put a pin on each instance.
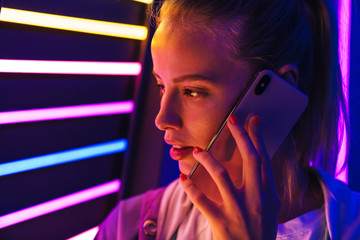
(169, 35)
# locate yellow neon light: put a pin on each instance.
(73, 24)
(144, 1)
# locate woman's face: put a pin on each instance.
(199, 85)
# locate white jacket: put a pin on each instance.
(157, 214)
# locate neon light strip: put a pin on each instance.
(73, 24)
(144, 1)
(344, 25)
(56, 113)
(62, 157)
(59, 203)
(87, 235)
(70, 67)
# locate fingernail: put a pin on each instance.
(183, 177)
(233, 119)
(197, 150)
(256, 120)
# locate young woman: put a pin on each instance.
(204, 53)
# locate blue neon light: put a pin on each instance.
(62, 157)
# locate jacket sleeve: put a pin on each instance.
(123, 221)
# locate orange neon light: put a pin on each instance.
(73, 24)
(144, 1)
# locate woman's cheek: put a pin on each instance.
(225, 151)
(224, 146)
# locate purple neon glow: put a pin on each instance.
(70, 67)
(56, 113)
(59, 203)
(87, 235)
(344, 25)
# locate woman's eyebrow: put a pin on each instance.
(192, 77)
(188, 77)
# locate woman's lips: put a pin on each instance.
(178, 153)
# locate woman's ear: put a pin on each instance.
(289, 73)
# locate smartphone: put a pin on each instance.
(278, 104)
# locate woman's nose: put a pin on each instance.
(169, 116)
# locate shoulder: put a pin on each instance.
(123, 221)
(342, 207)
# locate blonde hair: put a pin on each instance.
(270, 34)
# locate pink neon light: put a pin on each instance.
(70, 67)
(45, 114)
(87, 235)
(344, 25)
(59, 203)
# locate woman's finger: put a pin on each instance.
(205, 205)
(258, 141)
(256, 136)
(218, 173)
(251, 159)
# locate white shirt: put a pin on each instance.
(311, 225)
(339, 218)
(177, 212)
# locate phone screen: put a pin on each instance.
(278, 103)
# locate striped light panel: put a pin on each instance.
(59, 203)
(67, 67)
(56, 113)
(70, 67)
(73, 24)
(67, 156)
(344, 25)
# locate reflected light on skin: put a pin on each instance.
(91, 26)
(344, 25)
(70, 67)
(60, 203)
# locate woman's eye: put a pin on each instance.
(193, 93)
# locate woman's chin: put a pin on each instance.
(186, 166)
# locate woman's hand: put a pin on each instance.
(248, 212)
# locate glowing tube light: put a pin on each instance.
(344, 25)
(70, 67)
(56, 113)
(87, 235)
(73, 24)
(59, 203)
(144, 1)
(63, 157)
